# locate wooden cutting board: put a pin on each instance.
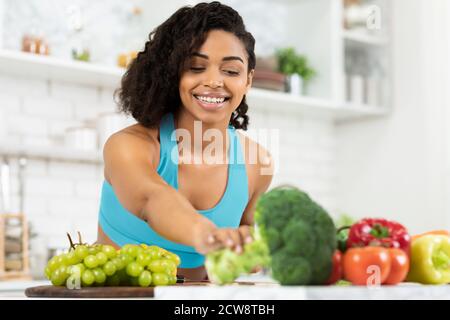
(107, 292)
(94, 292)
(98, 292)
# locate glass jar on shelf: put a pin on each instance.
(354, 16)
(35, 42)
(132, 38)
(78, 41)
(356, 70)
(374, 83)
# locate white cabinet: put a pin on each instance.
(347, 57)
(352, 60)
(2, 14)
(313, 27)
(398, 167)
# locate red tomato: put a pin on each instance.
(399, 266)
(337, 272)
(367, 265)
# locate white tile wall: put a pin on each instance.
(24, 87)
(63, 197)
(306, 152)
(48, 108)
(59, 197)
(25, 125)
(74, 92)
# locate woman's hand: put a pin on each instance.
(217, 238)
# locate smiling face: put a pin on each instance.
(215, 78)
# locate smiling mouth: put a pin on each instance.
(211, 100)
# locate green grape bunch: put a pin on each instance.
(85, 265)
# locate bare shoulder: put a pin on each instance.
(259, 163)
(132, 143)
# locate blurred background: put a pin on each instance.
(359, 92)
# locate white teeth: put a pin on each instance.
(211, 100)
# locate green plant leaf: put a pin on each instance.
(290, 62)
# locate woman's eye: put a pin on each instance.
(197, 69)
(201, 69)
(232, 72)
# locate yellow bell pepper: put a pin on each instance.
(430, 260)
(441, 232)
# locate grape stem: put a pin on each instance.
(79, 237)
(80, 241)
(72, 246)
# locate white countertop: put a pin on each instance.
(266, 289)
(260, 287)
(275, 292)
(16, 289)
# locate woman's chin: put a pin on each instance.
(211, 118)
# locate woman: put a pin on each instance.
(196, 69)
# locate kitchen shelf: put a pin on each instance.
(26, 64)
(58, 153)
(285, 102)
(365, 38)
(360, 111)
(288, 103)
(48, 67)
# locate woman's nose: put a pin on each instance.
(214, 79)
(215, 84)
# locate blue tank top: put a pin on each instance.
(123, 227)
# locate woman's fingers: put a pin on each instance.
(234, 239)
(211, 239)
(237, 241)
(225, 238)
(211, 244)
(246, 235)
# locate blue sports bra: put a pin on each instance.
(123, 227)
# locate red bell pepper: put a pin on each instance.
(379, 232)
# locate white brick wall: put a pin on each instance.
(307, 152)
(23, 86)
(64, 197)
(49, 186)
(48, 108)
(86, 111)
(74, 92)
(72, 170)
(36, 168)
(87, 188)
(59, 196)
(10, 103)
(28, 125)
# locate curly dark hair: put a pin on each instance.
(147, 90)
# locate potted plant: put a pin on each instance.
(296, 67)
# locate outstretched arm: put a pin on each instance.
(131, 170)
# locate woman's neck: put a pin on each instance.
(203, 136)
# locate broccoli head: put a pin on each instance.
(300, 235)
(295, 237)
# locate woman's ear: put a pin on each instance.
(249, 80)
